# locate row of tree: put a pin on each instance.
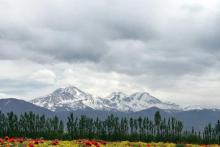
(112, 128)
(212, 133)
(115, 128)
(30, 125)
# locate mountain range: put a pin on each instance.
(71, 99)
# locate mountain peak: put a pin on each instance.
(70, 89)
(145, 97)
(70, 98)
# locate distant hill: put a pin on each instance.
(20, 106)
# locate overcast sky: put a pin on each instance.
(170, 49)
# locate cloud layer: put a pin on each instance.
(169, 49)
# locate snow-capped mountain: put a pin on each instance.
(72, 98)
(137, 102)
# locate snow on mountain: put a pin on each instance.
(67, 99)
(72, 98)
(137, 102)
(198, 107)
(194, 107)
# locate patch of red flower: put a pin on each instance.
(6, 138)
(30, 144)
(20, 140)
(11, 139)
(91, 142)
(94, 142)
(55, 142)
(1, 141)
(36, 142)
(88, 143)
(41, 141)
(148, 145)
(103, 142)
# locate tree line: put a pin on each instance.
(30, 125)
(112, 128)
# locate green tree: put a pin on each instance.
(157, 120)
(70, 125)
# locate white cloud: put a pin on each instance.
(4, 95)
(98, 83)
(45, 76)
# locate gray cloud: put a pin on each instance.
(20, 87)
(60, 33)
(75, 35)
(210, 38)
(145, 40)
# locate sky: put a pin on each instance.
(169, 49)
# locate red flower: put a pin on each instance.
(55, 142)
(36, 142)
(1, 141)
(103, 142)
(94, 143)
(11, 140)
(6, 137)
(20, 140)
(148, 145)
(30, 145)
(88, 143)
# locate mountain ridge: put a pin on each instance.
(197, 118)
(72, 98)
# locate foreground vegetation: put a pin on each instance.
(112, 128)
(21, 142)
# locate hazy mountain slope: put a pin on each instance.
(21, 106)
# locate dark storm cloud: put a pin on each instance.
(209, 39)
(81, 42)
(175, 65)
